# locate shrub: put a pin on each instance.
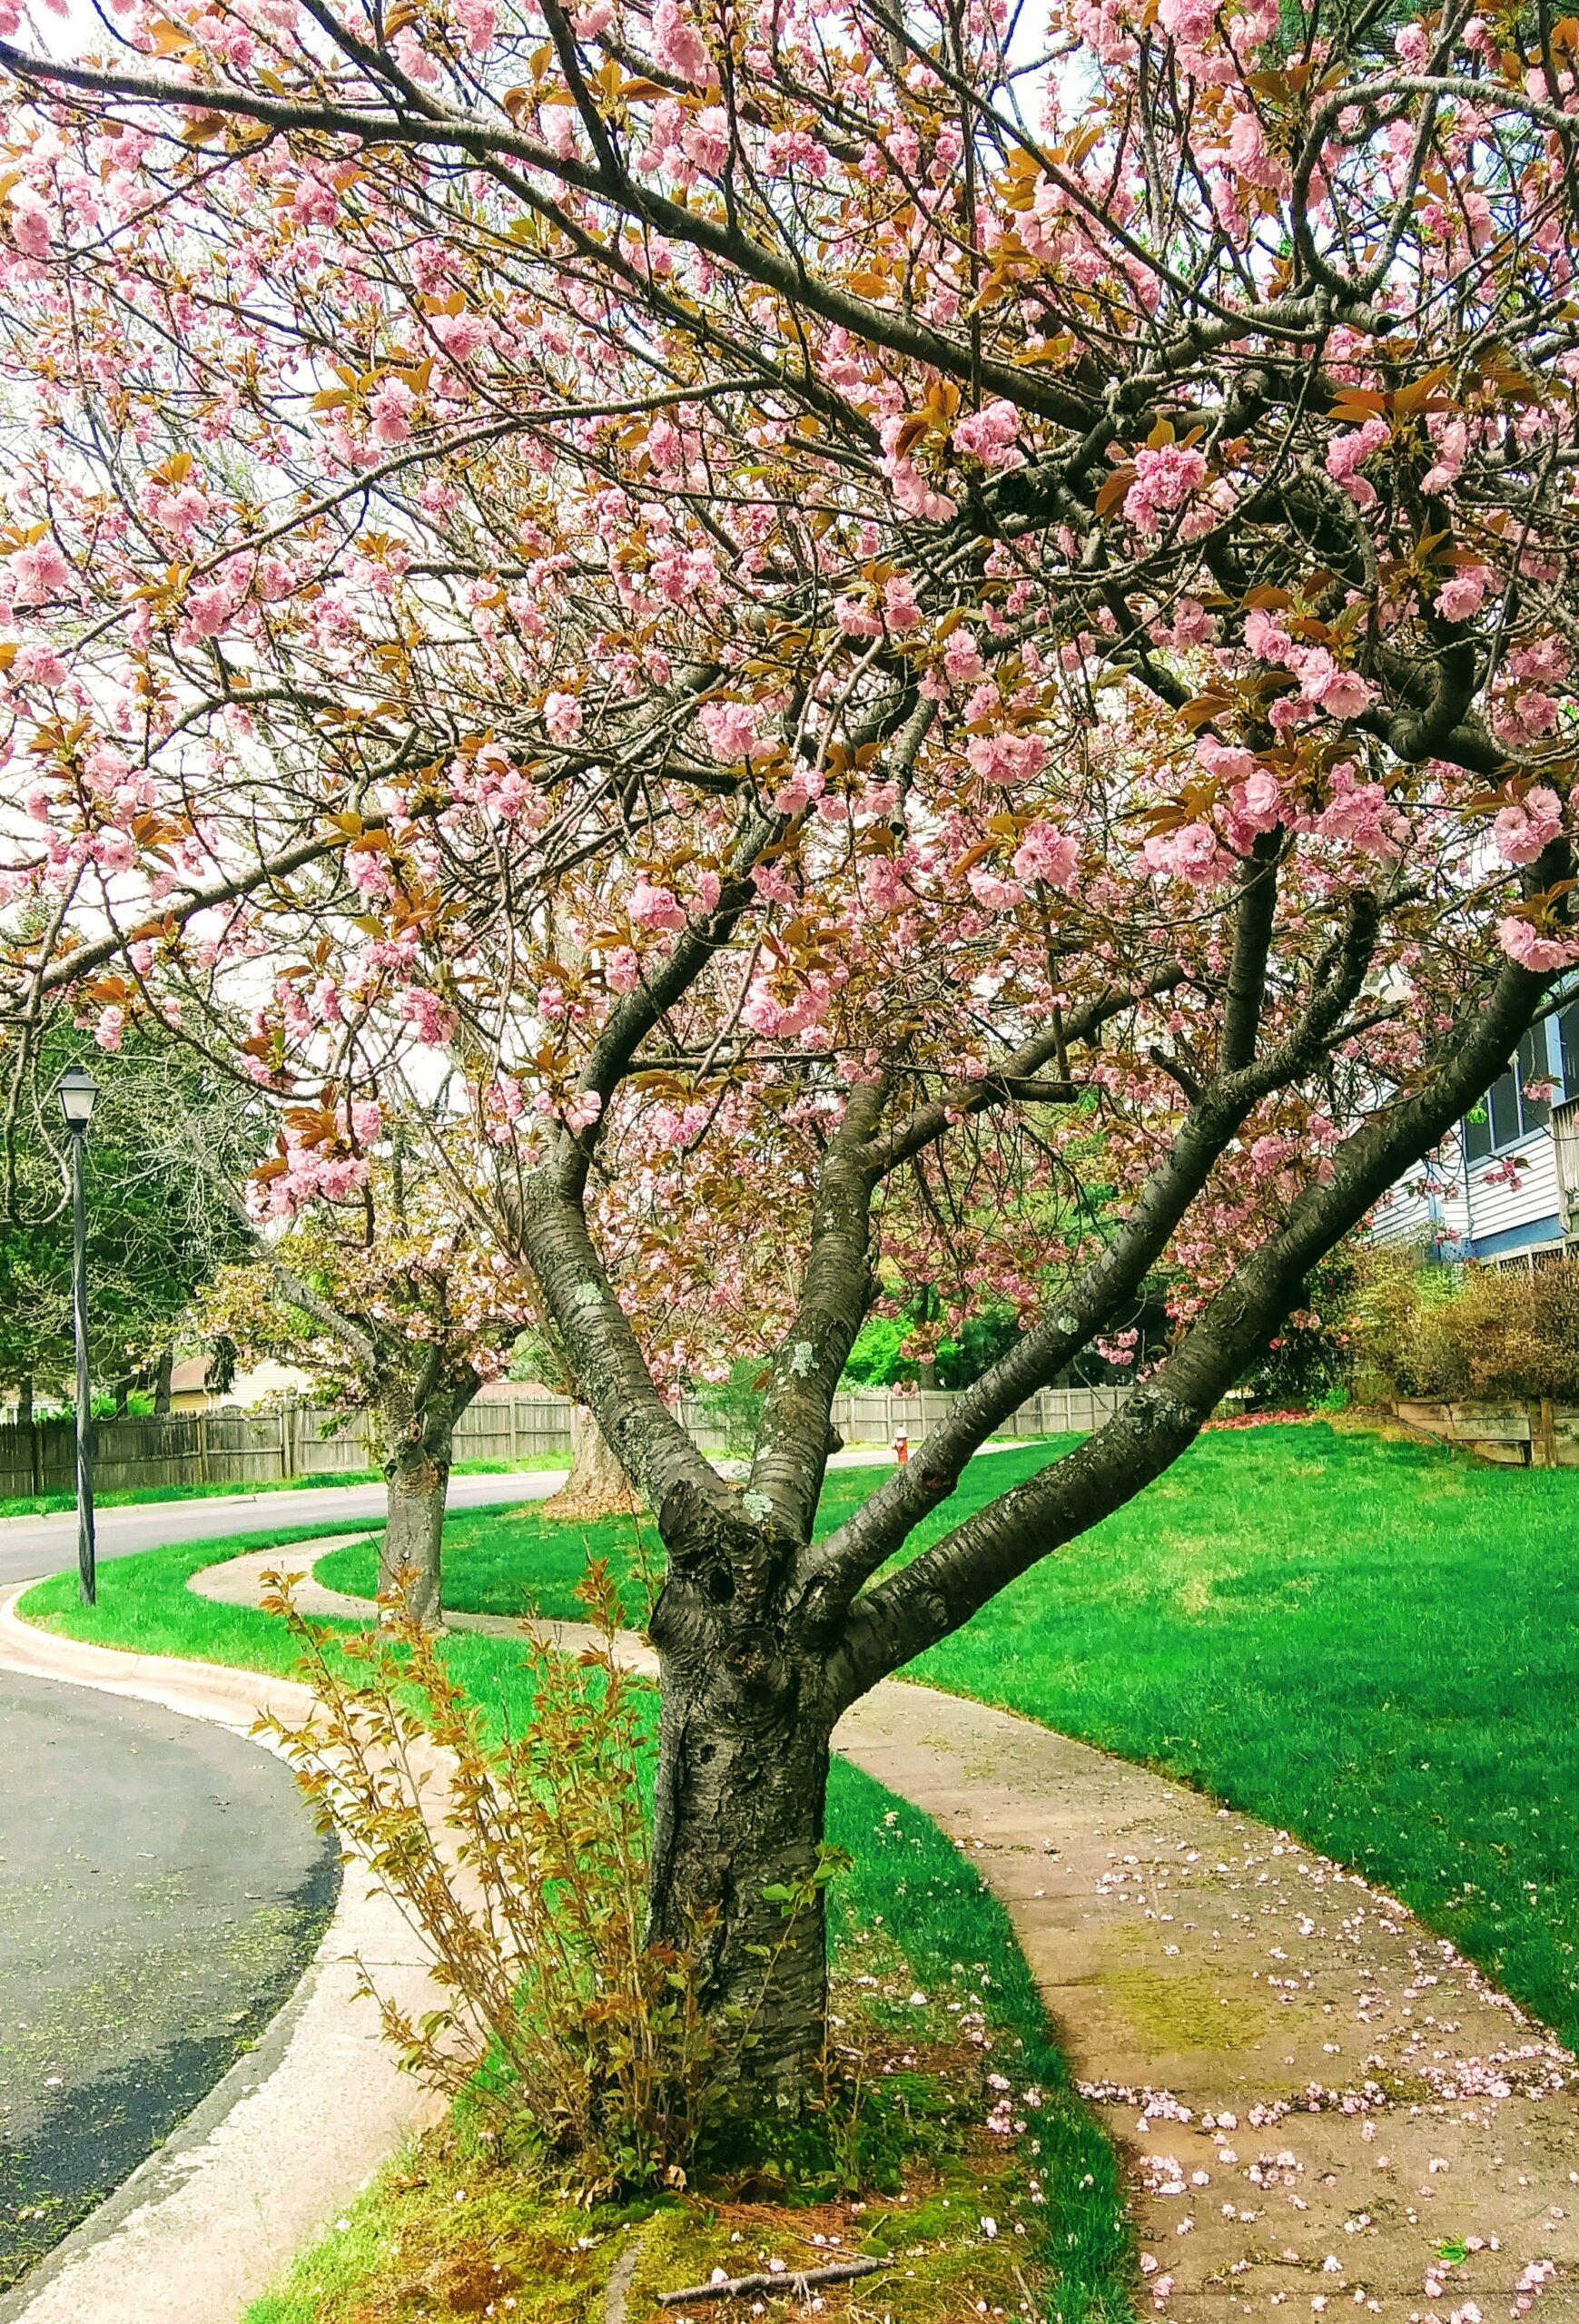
(521, 1861)
(1482, 1332)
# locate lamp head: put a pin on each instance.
(77, 1092)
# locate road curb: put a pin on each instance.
(280, 2145)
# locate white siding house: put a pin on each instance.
(1491, 1190)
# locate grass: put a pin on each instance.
(1058, 2181)
(1370, 1641)
(51, 1504)
(1367, 1640)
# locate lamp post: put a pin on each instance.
(77, 1092)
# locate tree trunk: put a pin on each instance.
(738, 1808)
(122, 1395)
(420, 1443)
(24, 1400)
(597, 1485)
(163, 1371)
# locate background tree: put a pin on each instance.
(774, 599)
(365, 1279)
(156, 1233)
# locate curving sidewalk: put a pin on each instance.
(1322, 2104)
(280, 2144)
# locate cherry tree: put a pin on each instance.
(379, 1290)
(839, 633)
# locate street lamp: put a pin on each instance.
(78, 1091)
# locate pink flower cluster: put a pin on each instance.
(1166, 475)
(989, 434)
(1191, 853)
(1048, 855)
(1006, 759)
(1522, 940)
(1531, 824)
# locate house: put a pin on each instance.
(265, 1382)
(1503, 1185)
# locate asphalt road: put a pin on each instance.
(162, 1889)
(38, 1545)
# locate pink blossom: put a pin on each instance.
(1049, 855)
(705, 139)
(461, 335)
(388, 409)
(1192, 853)
(1249, 156)
(623, 969)
(1165, 477)
(1269, 1153)
(1464, 594)
(1452, 445)
(731, 728)
(1521, 941)
(992, 892)
(211, 611)
(1525, 715)
(1345, 454)
(1257, 802)
(1230, 762)
(40, 571)
(1007, 758)
(562, 717)
(856, 618)
(651, 907)
(478, 20)
(989, 434)
(1359, 813)
(31, 228)
(1343, 694)
(110, 1028)
(1189, 21)
(1265, 636)
(962, 658)
(39, 665)
(678, 46)
(900, 609)
(433, 1021)
(1523, 829)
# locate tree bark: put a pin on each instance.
(738, 1805)
(162, 1376)
(597, 1485)
(420, 1443)
(24, 1400)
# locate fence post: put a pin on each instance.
(1549, 1434)
(514, 1432)
(203, 1448)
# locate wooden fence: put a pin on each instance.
(303, 1440)
(1539, 1435)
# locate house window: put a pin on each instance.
(1568, 1042)
(1507, 1112)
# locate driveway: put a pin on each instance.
(162, 1889)
(38, 1545)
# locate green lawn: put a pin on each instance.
(1374, 1643)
